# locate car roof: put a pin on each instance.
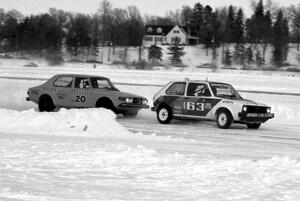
(79, 75)
(201, 81)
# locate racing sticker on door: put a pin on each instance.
(80, 99)
(199, 107)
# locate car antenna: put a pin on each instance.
(206, 78)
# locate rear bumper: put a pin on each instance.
(255, 117)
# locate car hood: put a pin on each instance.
(119, 93)
(250, 102)
(129, 95)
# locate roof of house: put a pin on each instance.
(165, 29)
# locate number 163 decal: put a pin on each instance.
(193, 106)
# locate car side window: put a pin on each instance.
(177, 88)
(98, 83)
(63, 82)
(82, 83)
(198, 89)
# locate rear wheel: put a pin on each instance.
(46, 104)
(224, 119)
(253, 125)
(164, 114)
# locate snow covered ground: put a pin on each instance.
(95, 155)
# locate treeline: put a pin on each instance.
(268, 25)
(75, 31)
(58, 29)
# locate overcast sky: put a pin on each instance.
(153, 7)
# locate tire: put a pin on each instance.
(164, 114)
(46, 104)
(254, 125)
(224, 119)
(107, 104)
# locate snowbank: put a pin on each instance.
(88, 122)
(39, 170)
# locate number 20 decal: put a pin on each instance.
(193, 106)
(80, 99)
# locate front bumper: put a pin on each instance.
(128, 105)
(255, 117)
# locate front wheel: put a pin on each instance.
(224, 119)
(253, 125)
(164, 114)
(107, 104)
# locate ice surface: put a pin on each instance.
(88, 155)
(80, 169)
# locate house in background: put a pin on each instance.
(165, 35)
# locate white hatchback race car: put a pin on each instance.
(84, 91)
(208, 100)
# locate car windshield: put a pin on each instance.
(102, 83)
(224, 90)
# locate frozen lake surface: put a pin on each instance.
(94, 155)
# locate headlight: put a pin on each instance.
(129, 100)
(244, 108)
(145, 102)
(268, 110)
(126, 99)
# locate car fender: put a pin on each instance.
(230, 105)
(160, 104)
(111, 99)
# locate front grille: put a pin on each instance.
(137, 101)
(256, 109)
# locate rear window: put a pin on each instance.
(177, 88)
(63, 82)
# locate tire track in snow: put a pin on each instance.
(236, 141)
